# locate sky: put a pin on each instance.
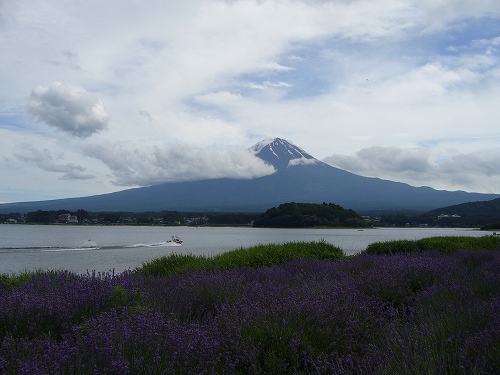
(100, 96)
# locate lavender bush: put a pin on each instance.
(425, 313)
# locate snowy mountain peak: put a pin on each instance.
(281, 154)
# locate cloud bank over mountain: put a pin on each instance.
(419, 168)
(177, 163)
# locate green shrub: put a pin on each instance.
(391, 247)
(172, 264)
(446, 244)
(255, 256)
(10, 281)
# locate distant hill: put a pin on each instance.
(304, 215)
(299, 177)
(489, 208)
(469, 214)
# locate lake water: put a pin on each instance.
(107, 248)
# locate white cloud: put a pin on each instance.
(68, 60)
(177, 163)
(268, 84)
(68, 108)
(475, 171)
(146, 115)
(340, 75)
(301, 161)
(449, 9)
(46, 161)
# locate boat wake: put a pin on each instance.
(69, 249)
(88, 245)
(158, 244)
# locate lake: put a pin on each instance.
(118, 248)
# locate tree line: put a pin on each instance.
(303, 215)
(475, 214)
(137, 218)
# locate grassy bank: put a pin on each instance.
(255, 256)
(446, 244)
(264, 310)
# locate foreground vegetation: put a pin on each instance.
(264, 310)
(446, 244)
(256, 256)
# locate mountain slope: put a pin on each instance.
(298, 178)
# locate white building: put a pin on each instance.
(67, 218)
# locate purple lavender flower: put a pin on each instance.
(418, 313)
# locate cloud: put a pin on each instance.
(348, 75)
(68, 108)
(301, 161)
(448, 9)
(177, 163)
(146, 115)
(68, 60)
(47, 162)
(476, 171)
(267, 84)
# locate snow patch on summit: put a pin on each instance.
(281, 153)
(261, 145)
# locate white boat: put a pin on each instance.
(175, 239)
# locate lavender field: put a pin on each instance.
(429, 312)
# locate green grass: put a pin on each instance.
(10, 281)
(255, 256)
(446, 244)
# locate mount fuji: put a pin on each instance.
(298, 177)
(281, 154)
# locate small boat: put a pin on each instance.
(175, 239)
